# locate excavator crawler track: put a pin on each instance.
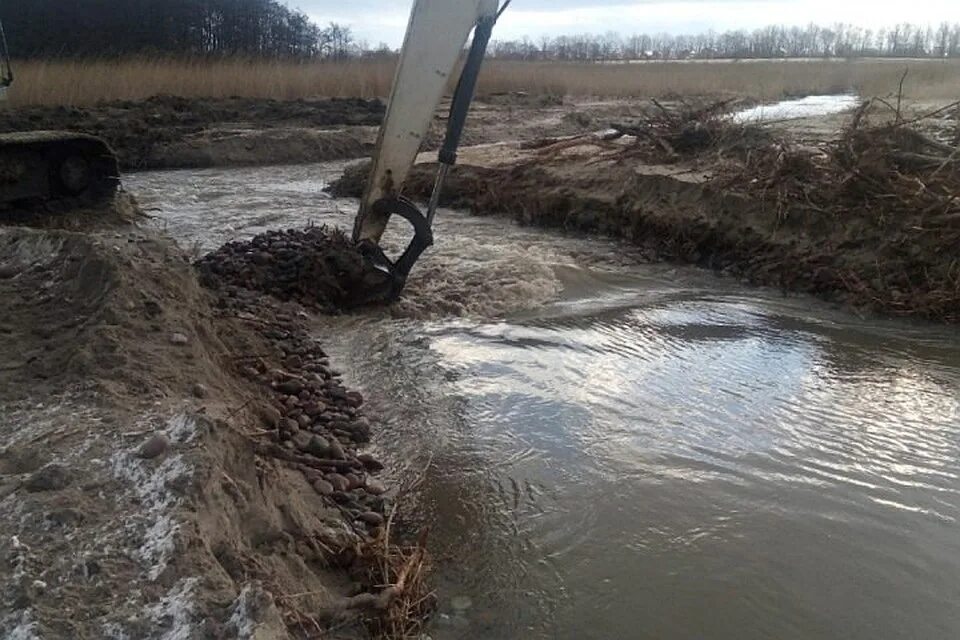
(40, 167)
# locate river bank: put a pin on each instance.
(865, 216)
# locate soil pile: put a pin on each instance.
(318, 267)
(145, 134)
(175, 463)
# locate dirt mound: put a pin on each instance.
(318, 267)
(141, 132)
(174, 463)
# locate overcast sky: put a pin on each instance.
(385, 20)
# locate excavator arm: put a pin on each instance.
(436, 35)
(6, 71)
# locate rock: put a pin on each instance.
(360, 429)
(302, 441)
(65, 517)
(199, 391)
(339, 482)
(370, 462)
(154, 447)
(290, 387)
(371, 518)
(286, 424)
(323, 487)
(318, 446)
(354, 398)
(336, 450)
(355, 481)
(51, 477)
(304, 420)
(179, 339)
(342, 497)
(312, 409)
(375, 487)
(269, 416)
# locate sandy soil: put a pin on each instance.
(157, 477)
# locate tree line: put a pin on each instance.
(811, 41)
(78, 28)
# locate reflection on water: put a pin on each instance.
(643, 452)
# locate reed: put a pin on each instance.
(86, 82)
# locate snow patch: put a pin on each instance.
(154, 486)
(243, 619)
(175, 611)
(23, 627)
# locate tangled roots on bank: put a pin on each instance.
(887, 181)
(686, 130)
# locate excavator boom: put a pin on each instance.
(435, 39)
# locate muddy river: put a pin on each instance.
(611, 449)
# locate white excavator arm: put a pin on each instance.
(6, 72)
(436, 35)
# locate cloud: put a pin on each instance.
(385, 20)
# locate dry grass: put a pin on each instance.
(81, 83)
(87, 82)
(928, 79)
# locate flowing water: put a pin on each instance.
(618, 450)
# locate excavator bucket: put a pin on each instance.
(434, 43)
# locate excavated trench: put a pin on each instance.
(609, 447)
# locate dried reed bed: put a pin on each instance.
(928, 79)
(81, 83)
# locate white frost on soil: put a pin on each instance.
(243, 619)
(175, 611)
(113, 631)
(23, 628)
(153, 485)
(181, 429)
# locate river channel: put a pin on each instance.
(615, 449)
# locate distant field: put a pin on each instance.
(86, 82)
